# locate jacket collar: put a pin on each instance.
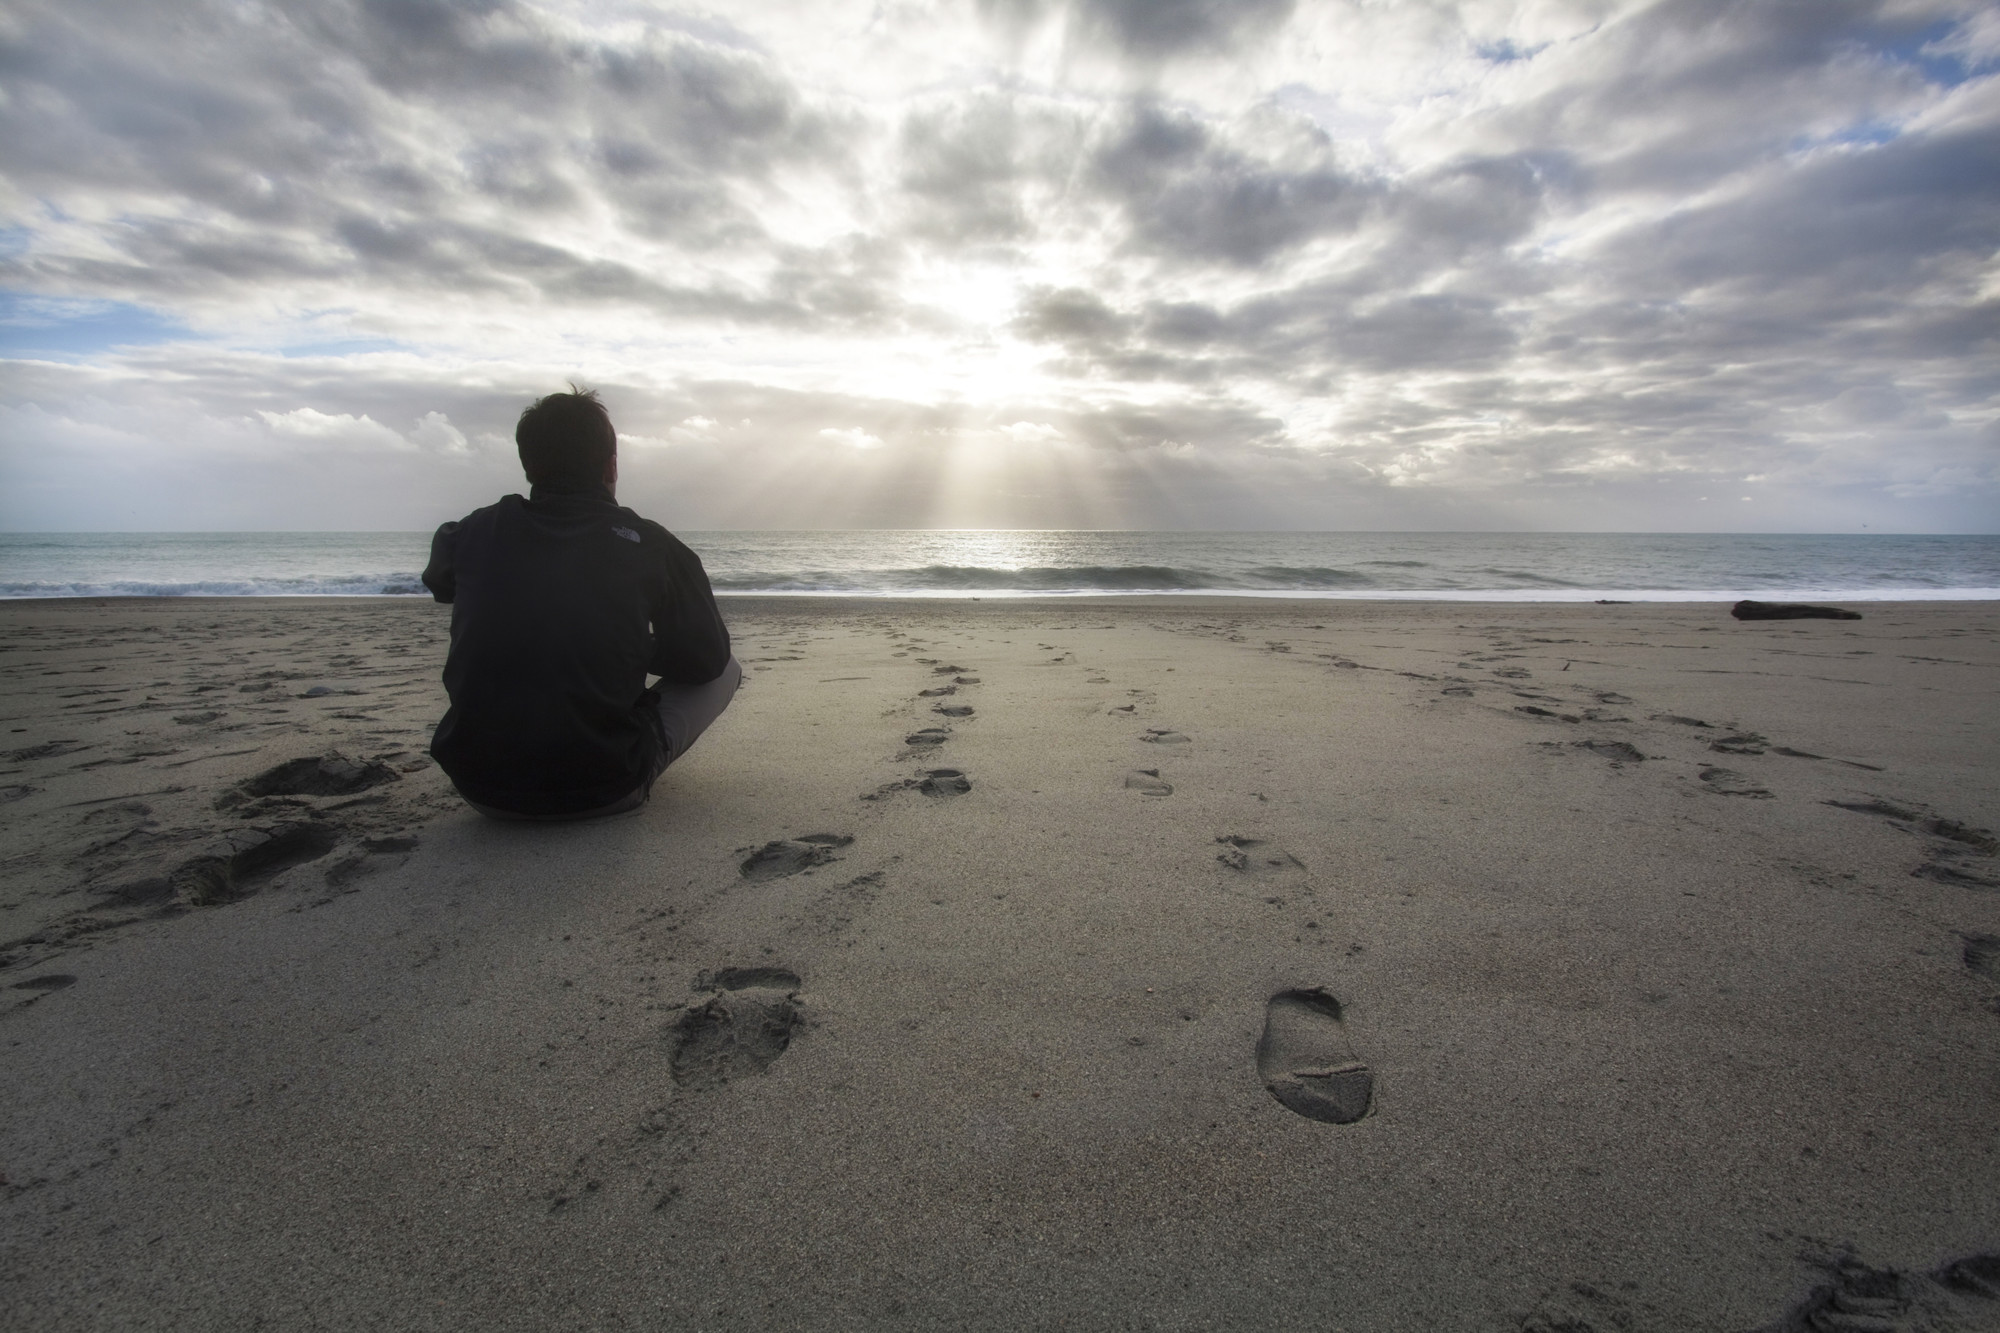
(547, 491)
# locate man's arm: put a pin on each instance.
(441, 574)
(690, 642)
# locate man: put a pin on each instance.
(561, 605)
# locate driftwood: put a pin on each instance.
(1748, 610)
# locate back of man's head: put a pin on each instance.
(566, 439)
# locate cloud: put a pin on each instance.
(1150, 30)
(341, 431)
(853, 437)
(1238, 194)
(1025, 432)
(435, 431)
(1213, 263)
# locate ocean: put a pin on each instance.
(1555, 567)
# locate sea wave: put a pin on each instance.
(253, 587)
(978, 578)
(1306, 577)
(1047, 579)
(1525, 577)
(1419, 566)
(1127, 581)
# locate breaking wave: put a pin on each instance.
(1454, 566)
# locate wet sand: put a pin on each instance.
(1176, 963)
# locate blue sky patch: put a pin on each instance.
(32, 325)
(1919, 47)
(1506, 52)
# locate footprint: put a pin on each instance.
(48, 981)
(375, 854)
(1305, 1061)
(1856, 1295)
(1874, 806)
(1939, 868)
(943, 782)
(1674, 718)
(331, 774)
(1164, 736)
(1147, 782)
(1790, 753)
(1976, 1275)
(737, 1031)
(1745, 742)
(1958, 859)
(927, 739)
(937, 693)
(1617, 751)
(789, 856)
(1123, 708)
(965, 680)
(1457, 691)
(1728, 782)
(953, 710)
(748, 978)
(1976, 838)
(1982, 955)
(1979, 839)
(938, 782)
(230, 867)
(1255, 857)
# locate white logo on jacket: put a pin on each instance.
(627, 534)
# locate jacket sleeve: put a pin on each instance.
(441, 574)
(690, 642)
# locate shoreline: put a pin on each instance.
(1497, 597)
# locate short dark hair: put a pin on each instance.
(566, 438)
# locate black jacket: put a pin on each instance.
(561, 605)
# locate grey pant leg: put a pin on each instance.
(685, 711)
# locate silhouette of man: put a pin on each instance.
(561, 605)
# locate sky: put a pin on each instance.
(1167, 264)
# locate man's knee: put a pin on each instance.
(684, 713)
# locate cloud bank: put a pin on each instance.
(1099, 263)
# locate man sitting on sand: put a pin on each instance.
(561, 605)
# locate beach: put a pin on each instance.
(1641, 966)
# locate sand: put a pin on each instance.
(1260, 964)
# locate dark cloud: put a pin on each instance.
(1452, 214)
(1190, 193)
(1175, 27)
(1151, 29)
(395, 128)
(1674, 95)
(1071, 315)
(1847, 228)
(1281, 336)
